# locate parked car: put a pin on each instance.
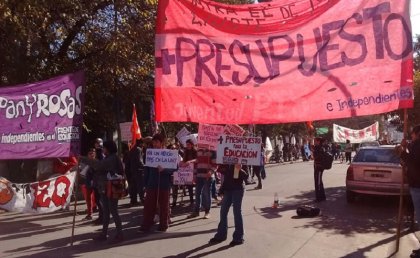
(367, 144)
(375, 170)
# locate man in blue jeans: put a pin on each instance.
(410, 154)
(233, 188)
(205, 167)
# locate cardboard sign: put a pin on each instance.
(233, 130)
(184, 175)
(162, 157)
(208, 136)
(239, 150)
(182, 133)
(125, 129)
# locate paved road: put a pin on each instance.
(363, 229)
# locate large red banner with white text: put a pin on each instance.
(283, 61)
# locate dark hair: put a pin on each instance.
(189, 141)
(110, 146)
(158, 137)
(416, 129)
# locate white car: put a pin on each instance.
(374, 170)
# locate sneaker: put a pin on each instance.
(216, 240)
(97, 221)
(88, 217)
(162, 229)
(234, 243)
(193, 215)
(207, 215)
(258, 187)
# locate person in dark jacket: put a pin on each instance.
(319, 170)
(110, 166)
(233, 192)
(134, 170)
(158, 183)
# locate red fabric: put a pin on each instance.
(135, 128)
(89, 196)
(61, 168)
(283, 61)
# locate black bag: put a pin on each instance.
(307, 211)
(326, 160)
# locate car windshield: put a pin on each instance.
(377, 155)
(366, 144)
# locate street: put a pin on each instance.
(363, 229)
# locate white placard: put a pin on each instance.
(182, 133)
(233, 130)
(184, 175)
(162, 157)
(125, 129)
(208, 135)
(239, 150)
(192, 137)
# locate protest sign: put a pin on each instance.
(184, 175)
(125, 129)
(233, 130)
(162, 157)
(38, 197)
(277, 62)
(370, 133)
(208, 136)
(43, 119)
(239, 150)
(193, 137)
(182, 133)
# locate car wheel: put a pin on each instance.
(350, 196)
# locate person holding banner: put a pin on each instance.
(319, 170)
(233, 189)
(134, 167)
(158, 183)
(105, 169)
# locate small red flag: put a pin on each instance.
(135, 129)
(310, 126)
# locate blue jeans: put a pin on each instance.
(202, 194)
(231, 197)
(415, 196)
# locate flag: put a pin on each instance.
(135, 129)
(310, 126)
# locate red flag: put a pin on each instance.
(135, 129)
(310, 126)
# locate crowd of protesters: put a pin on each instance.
(153, 187)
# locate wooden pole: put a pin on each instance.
(76, 186)
(400, 208)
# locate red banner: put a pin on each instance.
(284, 61)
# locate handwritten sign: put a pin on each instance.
(239, 150)
(184, 175)
(162, 157)
(125, 129)
(208, 136)
(193, 137)
(233, 130)
(182, 133)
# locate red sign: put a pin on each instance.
(283, 61)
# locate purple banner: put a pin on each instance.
(43, 119)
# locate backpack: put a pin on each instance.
(307, 211)
(326, 160)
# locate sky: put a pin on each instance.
(415, 17)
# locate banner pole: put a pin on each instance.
(76, 186)
(400, 208)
